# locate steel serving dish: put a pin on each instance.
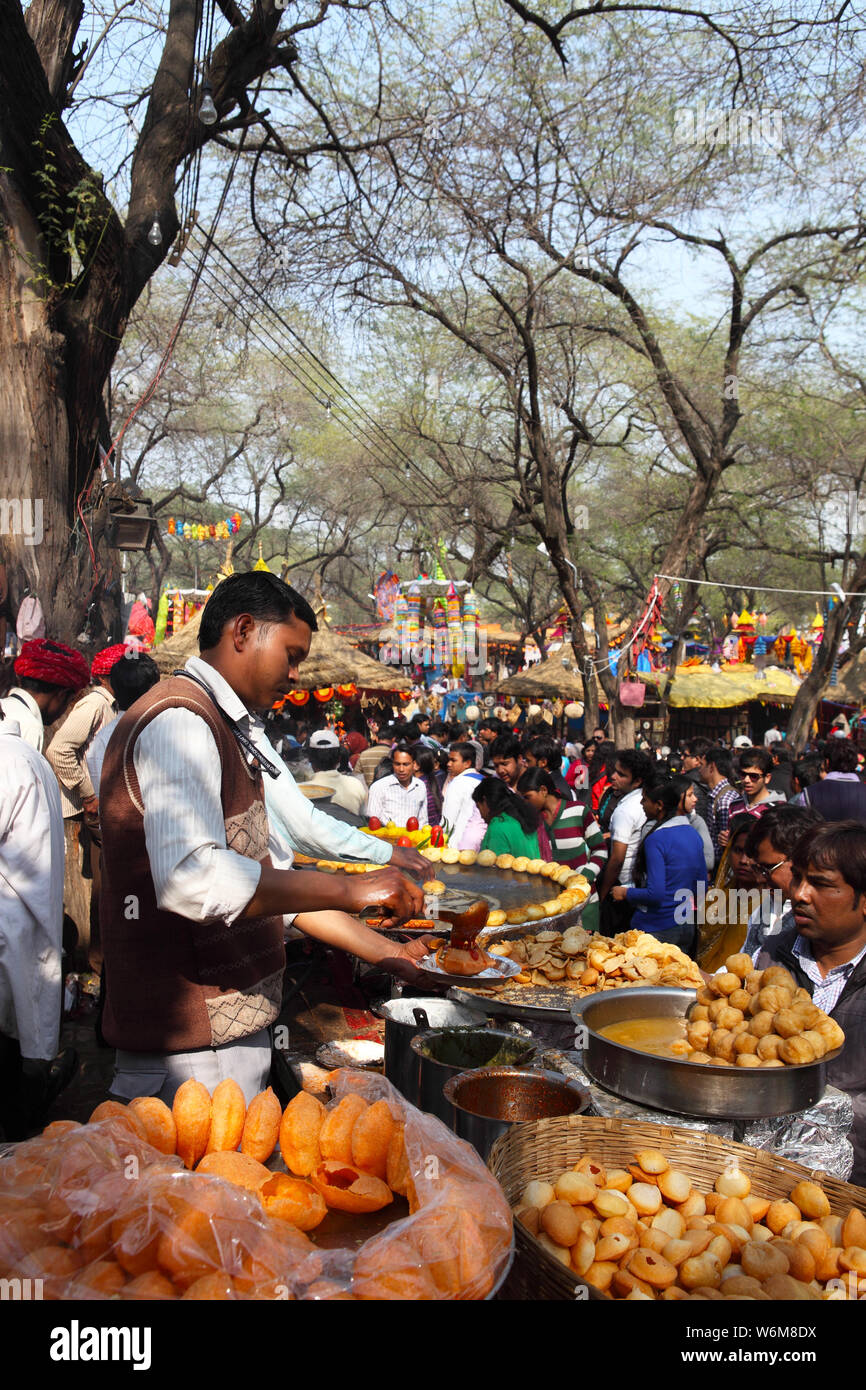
(487, 1102)
(680, 1087)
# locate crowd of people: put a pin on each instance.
(180, 800)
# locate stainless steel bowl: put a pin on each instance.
(686, 1088)
(490, 1100)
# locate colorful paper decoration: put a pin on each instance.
(299, 697)
(348, 692)
(202, 531)
(325, 693)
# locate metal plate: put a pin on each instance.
(531, 1002)
(680, 1087)
(502, 970)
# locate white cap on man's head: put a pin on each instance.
(324, 738)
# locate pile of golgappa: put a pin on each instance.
(647, 1232)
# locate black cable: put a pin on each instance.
(271, 344)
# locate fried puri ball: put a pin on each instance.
(768, 1047)
(773, 998)
(796, 1051)
(371, 1137)
(228, 1112)
(113, 1110)
(293, 1200)
(158, 1120)
(812, 1201)
(262, 1126)
(191, 1109)
(739, 965)
(240, 1169)
(346, 1188)
(299, 1134)
(335, 1136)
(778, 975)
(726, 983)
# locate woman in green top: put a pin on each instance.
(512, 825)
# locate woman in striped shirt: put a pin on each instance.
(576, 838)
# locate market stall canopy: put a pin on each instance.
(700, 687)
(332, 661)
(548, 680)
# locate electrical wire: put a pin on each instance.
(759, 588)
(332, 383)
(358, 422)
(226, 293)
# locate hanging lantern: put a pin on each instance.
(762, 619)
(735, 620)
(212, 531)
(172, 527)
(299, 697)
(324, 693)
(348, 692)
(187, 531)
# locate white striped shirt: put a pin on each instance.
(826, 989)
(391, 802)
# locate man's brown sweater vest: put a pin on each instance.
(174, 984)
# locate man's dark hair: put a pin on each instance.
(696, 747)
(780, 752)
(841, 755)
(265, 597)
(439, 729)
(403, 747)
(493, 724)
(808, 771)
(783, 826)
(639, 766)
(466, 751)
(324, 759)
(505, 746)
(547, 750)
(837, 845)
(719, 758)
(756, 757)
(131, 677)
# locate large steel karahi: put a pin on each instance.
(673, 1083)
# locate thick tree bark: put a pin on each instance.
(812, 689)
(60, 330)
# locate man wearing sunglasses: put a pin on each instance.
(769, 845)
(756, 768)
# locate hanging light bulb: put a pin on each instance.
(154, 236)
(407, 470)
(207, 112)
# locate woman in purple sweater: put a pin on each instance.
(668, 869)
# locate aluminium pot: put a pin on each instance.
(446, 1052)
(406, 1017)
(487, 1102)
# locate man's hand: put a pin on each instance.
(403, 960)
(619, 892)
(410, 861)
(387, 888)
(90, 805)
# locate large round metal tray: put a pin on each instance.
(680, 1087)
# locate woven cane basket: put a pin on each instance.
(544, 1148)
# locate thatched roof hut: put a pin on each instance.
(332, 661)
(556, 678)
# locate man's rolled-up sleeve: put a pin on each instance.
(194, 872)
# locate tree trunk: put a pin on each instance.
(809, 695)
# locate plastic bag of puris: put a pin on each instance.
(97, 1211)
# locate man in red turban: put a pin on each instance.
(67, 754)
(49, 675)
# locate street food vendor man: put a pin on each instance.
(192, 908)
(825, 950)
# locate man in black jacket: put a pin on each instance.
(825, 951)
(692, 752)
